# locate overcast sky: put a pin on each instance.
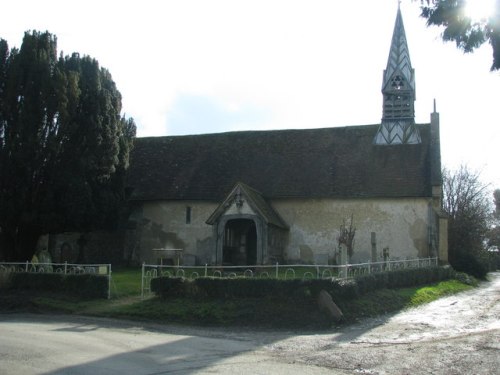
(204, 66)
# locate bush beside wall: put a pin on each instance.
(85, 286)
(296, 289)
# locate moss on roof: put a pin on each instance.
(337, 162)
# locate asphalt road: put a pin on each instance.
(35, 344)
(454, 335)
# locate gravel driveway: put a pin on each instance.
(459, 334)
(455, 335)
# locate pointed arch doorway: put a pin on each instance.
(240, 242)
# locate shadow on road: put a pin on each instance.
(83, 345)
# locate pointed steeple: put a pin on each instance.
(398, 90)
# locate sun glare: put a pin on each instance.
(479, 10)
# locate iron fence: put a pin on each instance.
(278, 271)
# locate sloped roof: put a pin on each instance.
(337, 162)
(399, 56)
(255, 200)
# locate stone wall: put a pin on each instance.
(91, 247)
(165, 225)
(401, 225)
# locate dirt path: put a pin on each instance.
(454, 335)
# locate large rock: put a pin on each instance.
(326, 304)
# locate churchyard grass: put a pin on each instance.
(125, 281)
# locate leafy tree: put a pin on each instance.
(496, 199)
(467, 33)
(494, 232)
(63, 144)
(465, 200)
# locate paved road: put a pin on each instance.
(455, 335)
(34, 344)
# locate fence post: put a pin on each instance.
(341, 271)
(206, 269)
(109, 281)
(142, 280)
(65, 267)
(277, 269)
(26, 267)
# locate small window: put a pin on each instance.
(188, 215)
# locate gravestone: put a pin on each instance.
(343, 260)
(326, 304)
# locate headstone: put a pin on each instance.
(374, 247)
(321, 259)
(326, 304)
(306, 254)
(343, 260)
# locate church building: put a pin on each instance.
(260, 197)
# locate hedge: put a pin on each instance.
(296, 289)
(85, 286)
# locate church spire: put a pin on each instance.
(398, 90)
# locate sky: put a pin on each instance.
(207, 66)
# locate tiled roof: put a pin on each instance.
(337, 162)
(256, 201)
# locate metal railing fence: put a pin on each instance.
(64, 268)
(279, 271)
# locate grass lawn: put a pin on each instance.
(126, 282)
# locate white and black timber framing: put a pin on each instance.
(398, 90)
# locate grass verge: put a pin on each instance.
(265, 313)
(392, 300)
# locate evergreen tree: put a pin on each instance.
(494, 232)
(467, 33)
(63, 144)
(496, 200)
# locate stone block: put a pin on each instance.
(326, 304)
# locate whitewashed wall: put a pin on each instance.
(399, 224)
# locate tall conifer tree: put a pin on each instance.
(63, 144)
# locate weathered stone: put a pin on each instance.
(306, 254)
(326, 304)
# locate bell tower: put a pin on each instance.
(398, 90)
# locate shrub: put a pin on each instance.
(168, 286)
(465, 278)
(471, 264)
(86, 285)
(295, 289)
(5, 279)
